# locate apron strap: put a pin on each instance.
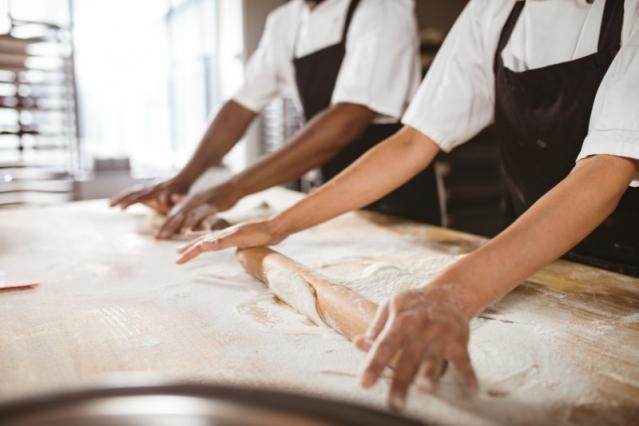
(349, 17)
(507, 30)
(611, 26)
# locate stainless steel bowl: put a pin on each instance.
(187, 405)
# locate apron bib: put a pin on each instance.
(316, 75)
(542, 117)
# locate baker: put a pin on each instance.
(352, 67)
(560, 81)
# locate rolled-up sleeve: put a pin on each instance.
(261, 80)
(456, 99)
(381, 66)
(614, 122)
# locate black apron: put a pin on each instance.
(542, 118)
(316, 76)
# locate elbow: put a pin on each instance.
(608, 174)
(350, 122)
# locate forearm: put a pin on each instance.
(381, 170)
(321, 139)
(226, 129)
(550, 228)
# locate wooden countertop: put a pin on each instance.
(563, 348)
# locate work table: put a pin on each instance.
(111, 301)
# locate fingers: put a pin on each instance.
(376, 327)
(210, 242)
(405, 372)
(194, 235)
(196, 216)
(208, 225)
(176, 220)
(426, 335)
(177, 198)
(164, 201)
(117, 200)
(134, 197)
(431, 370)
(464, 367)
(204, 235)
(382, 353)
(362, 343)
(153, 204)
(172, 224)
(123, 195)
(193, 250)
(366, 341)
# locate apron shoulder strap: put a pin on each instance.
(611, 26)
(349, 17)
(507, 31)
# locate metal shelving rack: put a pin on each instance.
(38, 113)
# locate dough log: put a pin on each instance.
(310, 294)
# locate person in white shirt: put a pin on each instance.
(351, 66)
(560, 81)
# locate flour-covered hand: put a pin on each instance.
(246, 235)
(422, 330)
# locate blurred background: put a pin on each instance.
(98, 95)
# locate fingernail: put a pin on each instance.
(367, 381)
(397, 402)
(362, 344)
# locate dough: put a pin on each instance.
(268, 314)
(295, 291)
(378, 281)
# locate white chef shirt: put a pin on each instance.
(380, 69)
(457, 98)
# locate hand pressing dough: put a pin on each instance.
(148, 222)
(259, 212)
(156, 221)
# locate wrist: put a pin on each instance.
(231, 190)
(186, 177)
(278, 227)
(453, 290)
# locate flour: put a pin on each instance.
(267, 313)
(381, 279)
(631, 319)
(513, 353)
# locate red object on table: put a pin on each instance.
(6, 284)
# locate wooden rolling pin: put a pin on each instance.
(339, 307)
